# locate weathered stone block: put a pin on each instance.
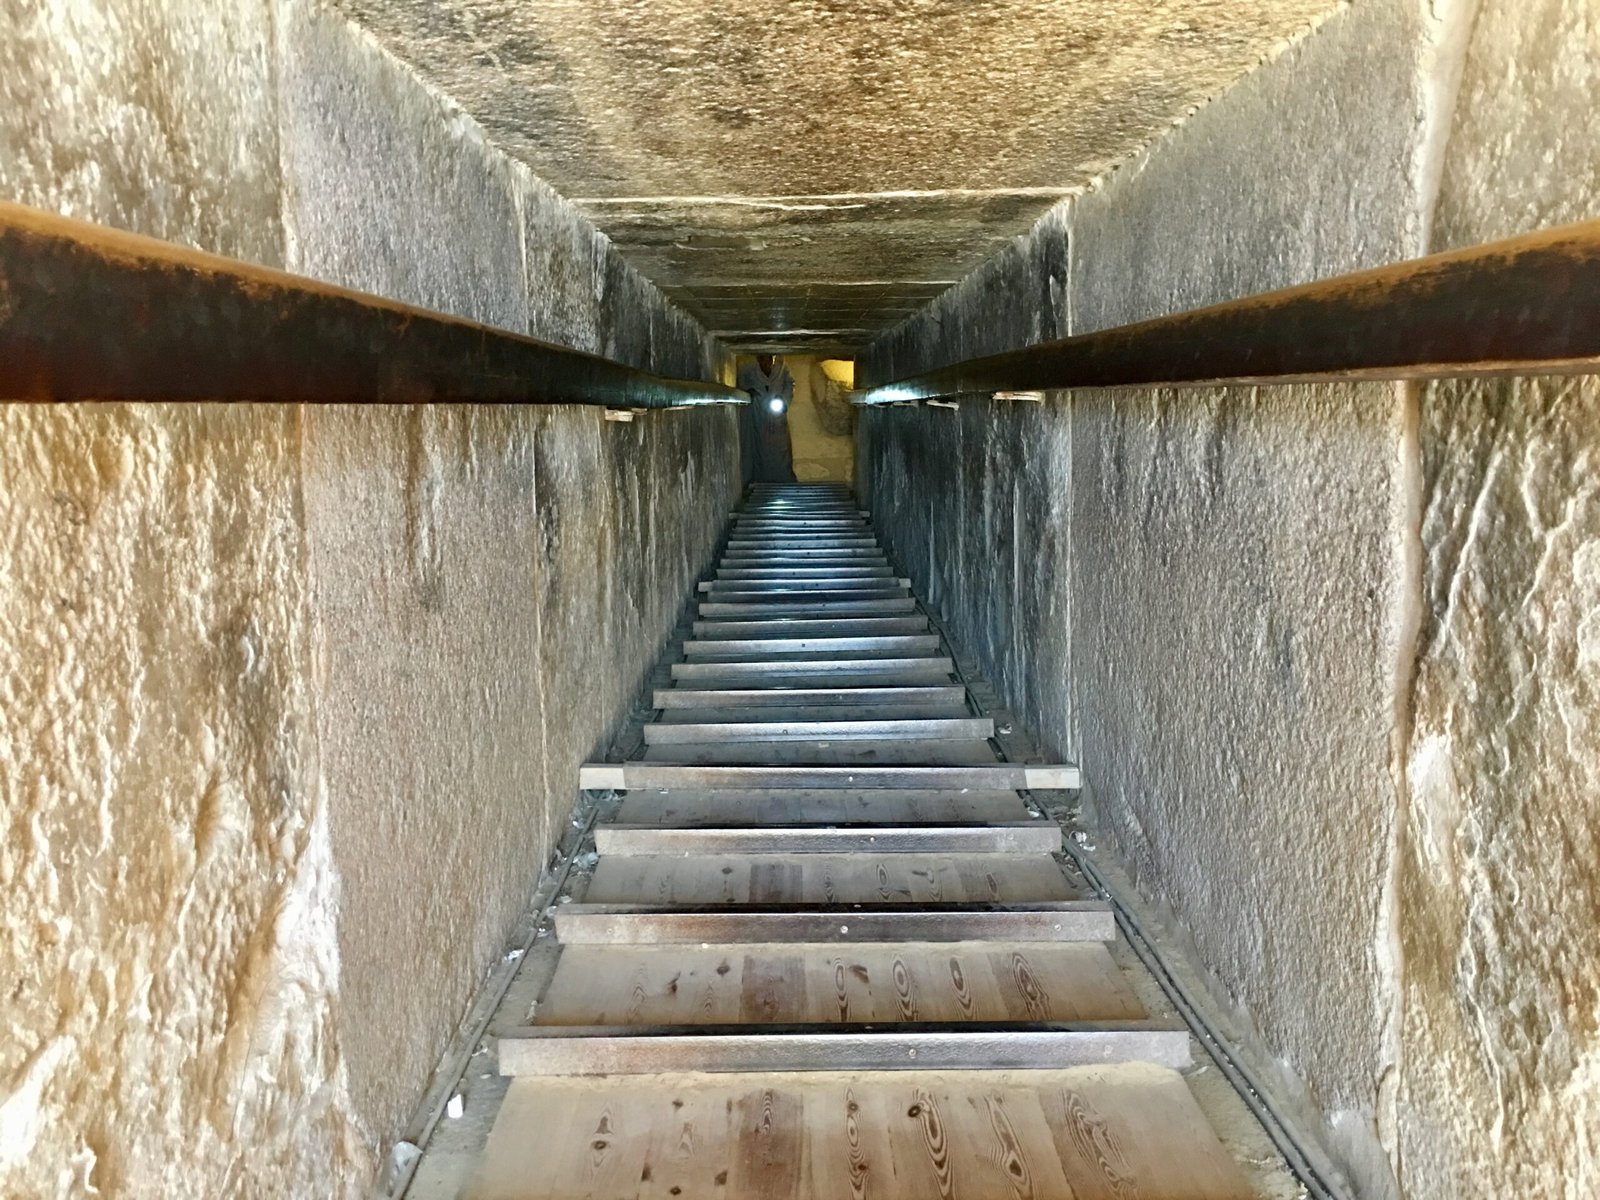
(387, 188)
(168, 891)
(156, 116)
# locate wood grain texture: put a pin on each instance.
(843, 752)
(827, 879)
(822, 806)
(958, 981)
(814, 712)
(701, 962)
(1120, 1133)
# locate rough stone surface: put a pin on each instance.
(291, 702)
(361, 138)
(1022, 293)
(293, 705)
(1497, 880)
(1330, 648)
(821, 424)
(1496, 870)
(430, 714)
(763, 256)
(1169, 230)
(1521, 152)
(883, 144)
(169, 886)
(154, 116)
(1234, 574)
(1247, 711)
(974, 503)
(1306, 168)
(481, 628)
(466, 230)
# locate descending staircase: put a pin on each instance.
(829, 949)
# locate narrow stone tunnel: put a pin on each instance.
(1171, 642)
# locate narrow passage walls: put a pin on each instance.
(291, 701)
(1327, 653)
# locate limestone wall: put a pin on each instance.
(291, 701)
(1327, 653)
(821, 423)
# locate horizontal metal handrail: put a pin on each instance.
(90, 313)
(1528, 305)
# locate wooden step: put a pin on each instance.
(875, 877)
(807, 557)
(824, 571)
(843, 752)
(931, 675)
(683, 697)
(690, 807)
(774, 672)
(905, 644)
(808, 672)
(1020, 837)
(803, 626)
(776, 714)
(1090, 1133)
(808, 541)
(847, 714)
(808, 608)
(747, 593)
(903, 981)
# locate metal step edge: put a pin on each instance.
(842, 596)
(805, 556)
(846, 924)
(832, 571)
(872, 728)
(784, 545)
(987, 1046)
(801, 586)
(996, 776)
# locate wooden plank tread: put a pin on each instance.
(766, 984)
(860, 727)
(681, 697)
(1022, 837)
(1088, 1133)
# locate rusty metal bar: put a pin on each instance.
(89, 313)
(1525, 306)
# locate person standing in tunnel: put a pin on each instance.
(768, 456)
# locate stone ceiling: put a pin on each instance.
(803, 173)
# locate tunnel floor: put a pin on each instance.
(826, 943)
